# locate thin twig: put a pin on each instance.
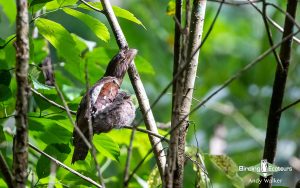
(91, 6)
(6, 173)
(138, 87)
(148, 132)
(64, 166)
(50, 101)
(235, 3)
(90, 126)
(289, 106)
(70, 116)
(129, 155)
(277, 26)
(263, 13)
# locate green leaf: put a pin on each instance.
(5, 93)
(119, 12)
(60, 38)
(58, 151)
(37, 85)
(42, 104)
(122, 13)
(143, 65)
(56, 4)
(107, 147)
(94, 24)
(48, 131)
(37, 2)
(10, 10)
(171, 8)
(227, 166)
(5, 77)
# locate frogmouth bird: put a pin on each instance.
(109, 108)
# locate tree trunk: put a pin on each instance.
(20, 146)
(183, 97)
(278, 91)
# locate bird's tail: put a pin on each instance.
(80, 148)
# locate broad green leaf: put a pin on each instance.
(227, 166)
(122, 13)
(10, 10)
(5, 77)
(39, 50)
(50, 94)
(66, 2)
(48, 131)
(143, 65)
(119, 12)
(5, 93)
(171, 8)
(56, 4)
(37, 2)
(60, 38)
(107, 146)
(94, 24)
(58, 151)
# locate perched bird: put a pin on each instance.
(109, 108)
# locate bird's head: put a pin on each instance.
(118, 66)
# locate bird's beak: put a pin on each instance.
(130, 54)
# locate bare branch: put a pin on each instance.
(20, 147)
(138, 87)
(128, 160)
(90, 126)
(279, 90)
(289, 106)
(70, 117)
(64, 166)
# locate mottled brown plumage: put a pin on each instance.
(109, 108)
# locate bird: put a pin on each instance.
(109, 107)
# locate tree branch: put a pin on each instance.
(139, 89)
(183, 97)
(64, 166)
(278, 91)
(20, 147)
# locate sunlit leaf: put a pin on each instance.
(37, 2)
(48, 131)
(107, 147)
(143, 65)
(171, 8)
(94, 24)
(10, 9)
(119, 12)
(60, 38)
